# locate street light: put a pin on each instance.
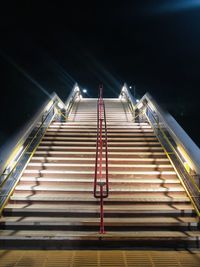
(85, 91)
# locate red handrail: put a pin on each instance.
(101, 186)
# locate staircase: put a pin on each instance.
(53, 205)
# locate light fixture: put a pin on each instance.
(84, 91)
(16, 153)
(140, 105)
(60, 105)
(124, 88)
(130, 87)
(137, 100)
(77, 88)
(185, 159)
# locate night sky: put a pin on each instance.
(47, 46)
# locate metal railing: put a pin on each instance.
(182, 152)
(101, 184)
(27, 145)
(74, 95)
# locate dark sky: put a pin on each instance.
(48, 45)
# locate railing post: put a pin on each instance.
(102, 231)
(101, 187)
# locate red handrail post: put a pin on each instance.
(101, 186)
(102, 231)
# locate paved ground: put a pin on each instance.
(107, 258)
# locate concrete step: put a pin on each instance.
(93, 129)
(68, 236)
(65, 123)
(154, 209)
(112, 154)
(112, 174)
(91, 160)
(94, 126)
(94, 138)
(119, 180)
(87, 167)
(90, 174)
(93, 143)
(85, 187)
(136, 197)
(24, 222)
(93, 133)
(92, 147)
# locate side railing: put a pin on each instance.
(101, 184)
(73, 96)
(26, 146)
(182, 152)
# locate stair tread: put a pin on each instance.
(113, 180)
(27, 234)
(89, 137)
(93, 141)
(55, 164)
(92, 172)
(87, 188)
(93, 133)
(93, 148)
(94, 207)
(138, 153)
(116, 221)
(87, 196)
(163, 160)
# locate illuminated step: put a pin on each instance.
(153, 208)
(121, 130)
(118, 160)
(88, 142)
(113, 148)
(79, 187)
(89, 138)
(66, 123)
(92, 221)
(94, 235)
(116, 124)
(93, 130)
(94, 125)
(63, 236)
(92, 172)
(91, 180)
(88, 116)
(38, 164)
(135, 197)
(128, 166)
(111, 153)
(94, 133)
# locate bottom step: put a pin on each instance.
(66, 239)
